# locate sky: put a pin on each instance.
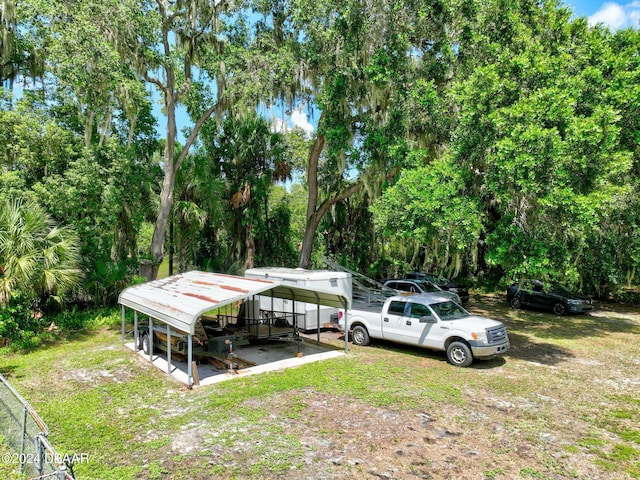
(615, 14)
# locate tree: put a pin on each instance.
(251, 159)
(429, 207)
(19, 56)
(199, 203)
(105, 52)
(37, 257)
(537, 146)
(356, 60)
(99, 191)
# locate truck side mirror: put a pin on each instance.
(427, 319)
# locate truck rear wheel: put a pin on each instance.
(459, 354)
(360, 335)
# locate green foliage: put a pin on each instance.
(252, 158)
(36, 255)
(103, 208)
(429, 205)
(101, 192)
(543, 151)
(16, 318)
(540, 171)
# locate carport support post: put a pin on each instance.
(136, 340)
(168, 349)
(318, 320)
(150, 339)
(122, 334)
(190, 360)
(346, 326)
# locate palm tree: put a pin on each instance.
(36, 256)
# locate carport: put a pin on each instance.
(179, 302)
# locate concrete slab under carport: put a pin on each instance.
(269, 356)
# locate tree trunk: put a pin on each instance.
(312, 201)
(307, 242)
(172, 248)
(166, 194)
(315, 212)
(250, 254)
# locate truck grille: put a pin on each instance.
(497, 334)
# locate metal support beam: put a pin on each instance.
(345, 304)
(122, 314)
(318, 321)
(169, 349)
(136, 334)
(190, 360)
(150, 339)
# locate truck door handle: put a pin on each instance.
(444, 328)
(408, 322)
(386, 319)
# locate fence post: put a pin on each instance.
(62, 473)
(24, 434)
(40, 454)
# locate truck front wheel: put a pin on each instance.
(459, 354)
(360, 335)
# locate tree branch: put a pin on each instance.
(193, 135)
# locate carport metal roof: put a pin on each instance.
(180, 300)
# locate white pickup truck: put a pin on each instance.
(431, 321)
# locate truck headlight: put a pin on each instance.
(480, 337)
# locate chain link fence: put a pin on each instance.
(25, 435)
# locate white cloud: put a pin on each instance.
(299, 119)
(617, 16)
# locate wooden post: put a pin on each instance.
(194, 370)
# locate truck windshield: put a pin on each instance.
(449, 310)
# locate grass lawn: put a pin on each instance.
(564, 403)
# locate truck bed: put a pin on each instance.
(369, 307)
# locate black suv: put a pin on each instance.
(443, 283)
(548, 296)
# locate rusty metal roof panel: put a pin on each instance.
(181, 299)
